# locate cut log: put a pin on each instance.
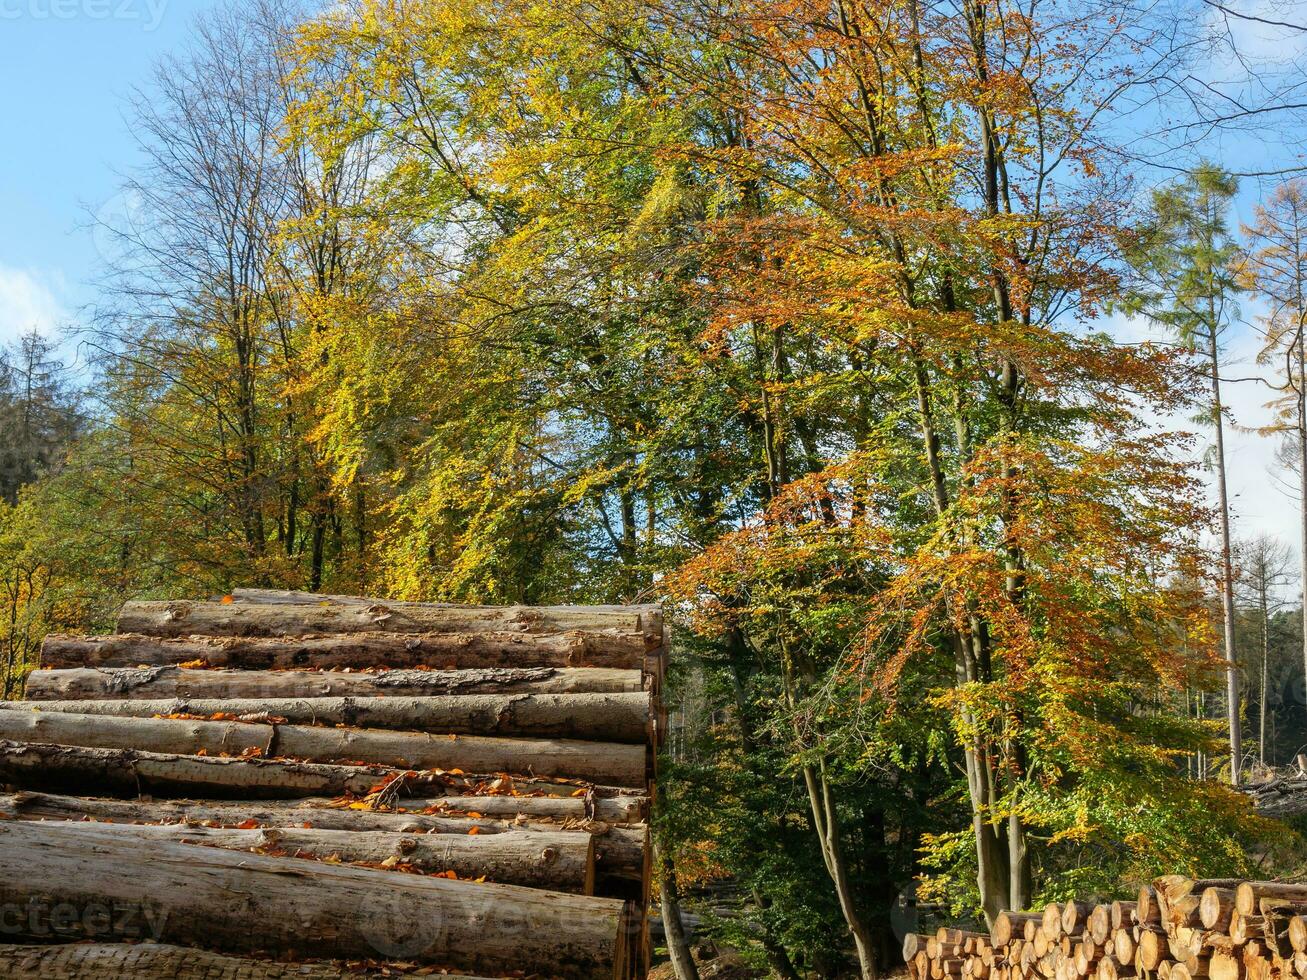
(357, 650)
(1122, 915)
(596, 717)
(1225, 966)
(1249, 894)
(237, 902)
(44, 766)
(1011, 924)
(152, 961)
(1123, 945)
(1099, 926)
(1216, 907)
(558, 861)
(107, 683)
(603, 762)
(648, 617)
(1147, 910)
(1075, 916)
(1298, 933)
(619, 850)
(1052, 922)
(609, 626)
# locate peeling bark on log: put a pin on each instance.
(359, 649)
(603, 762)
(44, 766)
(596, 717)
(557, 861)
(619, 850)
(168, 681)
(240, 902)
(593, 623)
(152, 961)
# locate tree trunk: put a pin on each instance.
(556, 861)
(1302, 482)
(90, 683)
(1263, 587)
(1227, 568)
(678, 948)
(292, 615)
(599, 717)
(44, 766)
(242, 902)
(602, 762)
(151, 961)
(356, 650)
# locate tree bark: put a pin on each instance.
(678, 947)
(619, 850)
(181, 682)
(356, 650)
(598, 717)
(44, 766)
(242, 902)
(556, 861)
(602, 762)
(1227, 566)
(289, 616)
(152, 961)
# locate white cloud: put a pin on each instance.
(29, 300)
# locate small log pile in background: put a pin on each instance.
(1177, 929)
(283, 776)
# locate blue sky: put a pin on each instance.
(67, 66)
(65, 69)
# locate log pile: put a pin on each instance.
(279, 782)
(1178, 928)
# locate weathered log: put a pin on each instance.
(648, 616)
(555, 860)
(619, 850)
(44, 766)
(153, 961)
(604, 762)
(609, 624)
(596, 717)
(357, 650)
(238, 902)
(111, 683)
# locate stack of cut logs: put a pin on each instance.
(280, 784)
(1177, 929)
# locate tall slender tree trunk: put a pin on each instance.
(1227, 564)
(1302, 478)
(1264, 602)
(677, 946)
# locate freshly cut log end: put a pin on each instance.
(1099, 926)
(1010, 925)
(1075, 915)
(1122, 914)
(165, 681)
(1215, 908)
(310, 909)
(1052, 922)
(1147, 911)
